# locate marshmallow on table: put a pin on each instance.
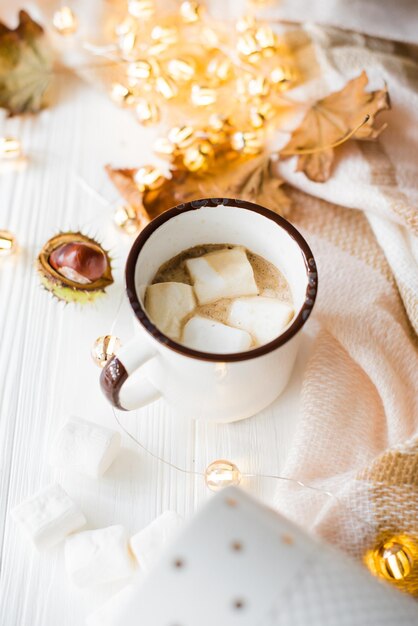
(85, 447)
(222, 274)
(48, 517)
(94, 557)
(148, 543)
(264, 318)
(207, 335)
(167, 304)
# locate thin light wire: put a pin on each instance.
(154, 456)
(197, 473)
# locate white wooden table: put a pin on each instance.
(46, 371)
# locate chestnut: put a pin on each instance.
(74, 267)
(79, 261)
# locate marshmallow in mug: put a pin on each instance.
(253, 320)
(222, 274)
(48, 517)
(85, 447)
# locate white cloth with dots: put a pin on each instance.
(239, 563)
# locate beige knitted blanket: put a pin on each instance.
(358, 435)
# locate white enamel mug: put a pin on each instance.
(202, 385)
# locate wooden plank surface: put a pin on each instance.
(46, 371)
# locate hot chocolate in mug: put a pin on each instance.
(203, 385)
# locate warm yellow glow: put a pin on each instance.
(222, 473)
(393, 559)
(7, 243)
(248, 142)
(266, 38)
(65, 21)
(10, 148)
(140, 69)
(148, 177)
(260, 114)
(198, 156)
(258, 86)
(203, 96)
(190, 12)
(147, 113)
(185, 66)
(104, 349)
(219, 68)
(248, 47)
(126, 219)
(164, 147)
(247, 22)
(165, 34)
(180, 70)
(142, 9)
(121, 94)
(127, 44)
(166, 87)
(181, 136)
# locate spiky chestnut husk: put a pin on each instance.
(87, 268)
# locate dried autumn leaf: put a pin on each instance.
(329, 121)
(252, 180)
(25, 66)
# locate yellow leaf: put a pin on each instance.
(344, 114)
(25, 66)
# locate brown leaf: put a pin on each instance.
(25, 66)
(252, 180)
(257, 181)
(333, 119)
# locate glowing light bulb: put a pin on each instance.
(248, 47)
(164, 147)
(180, 69)
(181, 136)
(148, 177)
(10, 148)
(139, 69)
(393, 559)
(203, 96)
(219, 69)
(260, 114)
(126, 219)
(142, 9)
(8, 244)
(65, 21)
(247, 22)
(127, 44)
(104, 349)
(147, 113)
(282, 76)
(121, 95)
(190, 12)
(220, 474)
(166, 34)
(258, 86)
(198, 156)
(248, 142)
(266, 39)
(166, 87)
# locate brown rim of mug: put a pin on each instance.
(195, 205)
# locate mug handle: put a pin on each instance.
(117, 371)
